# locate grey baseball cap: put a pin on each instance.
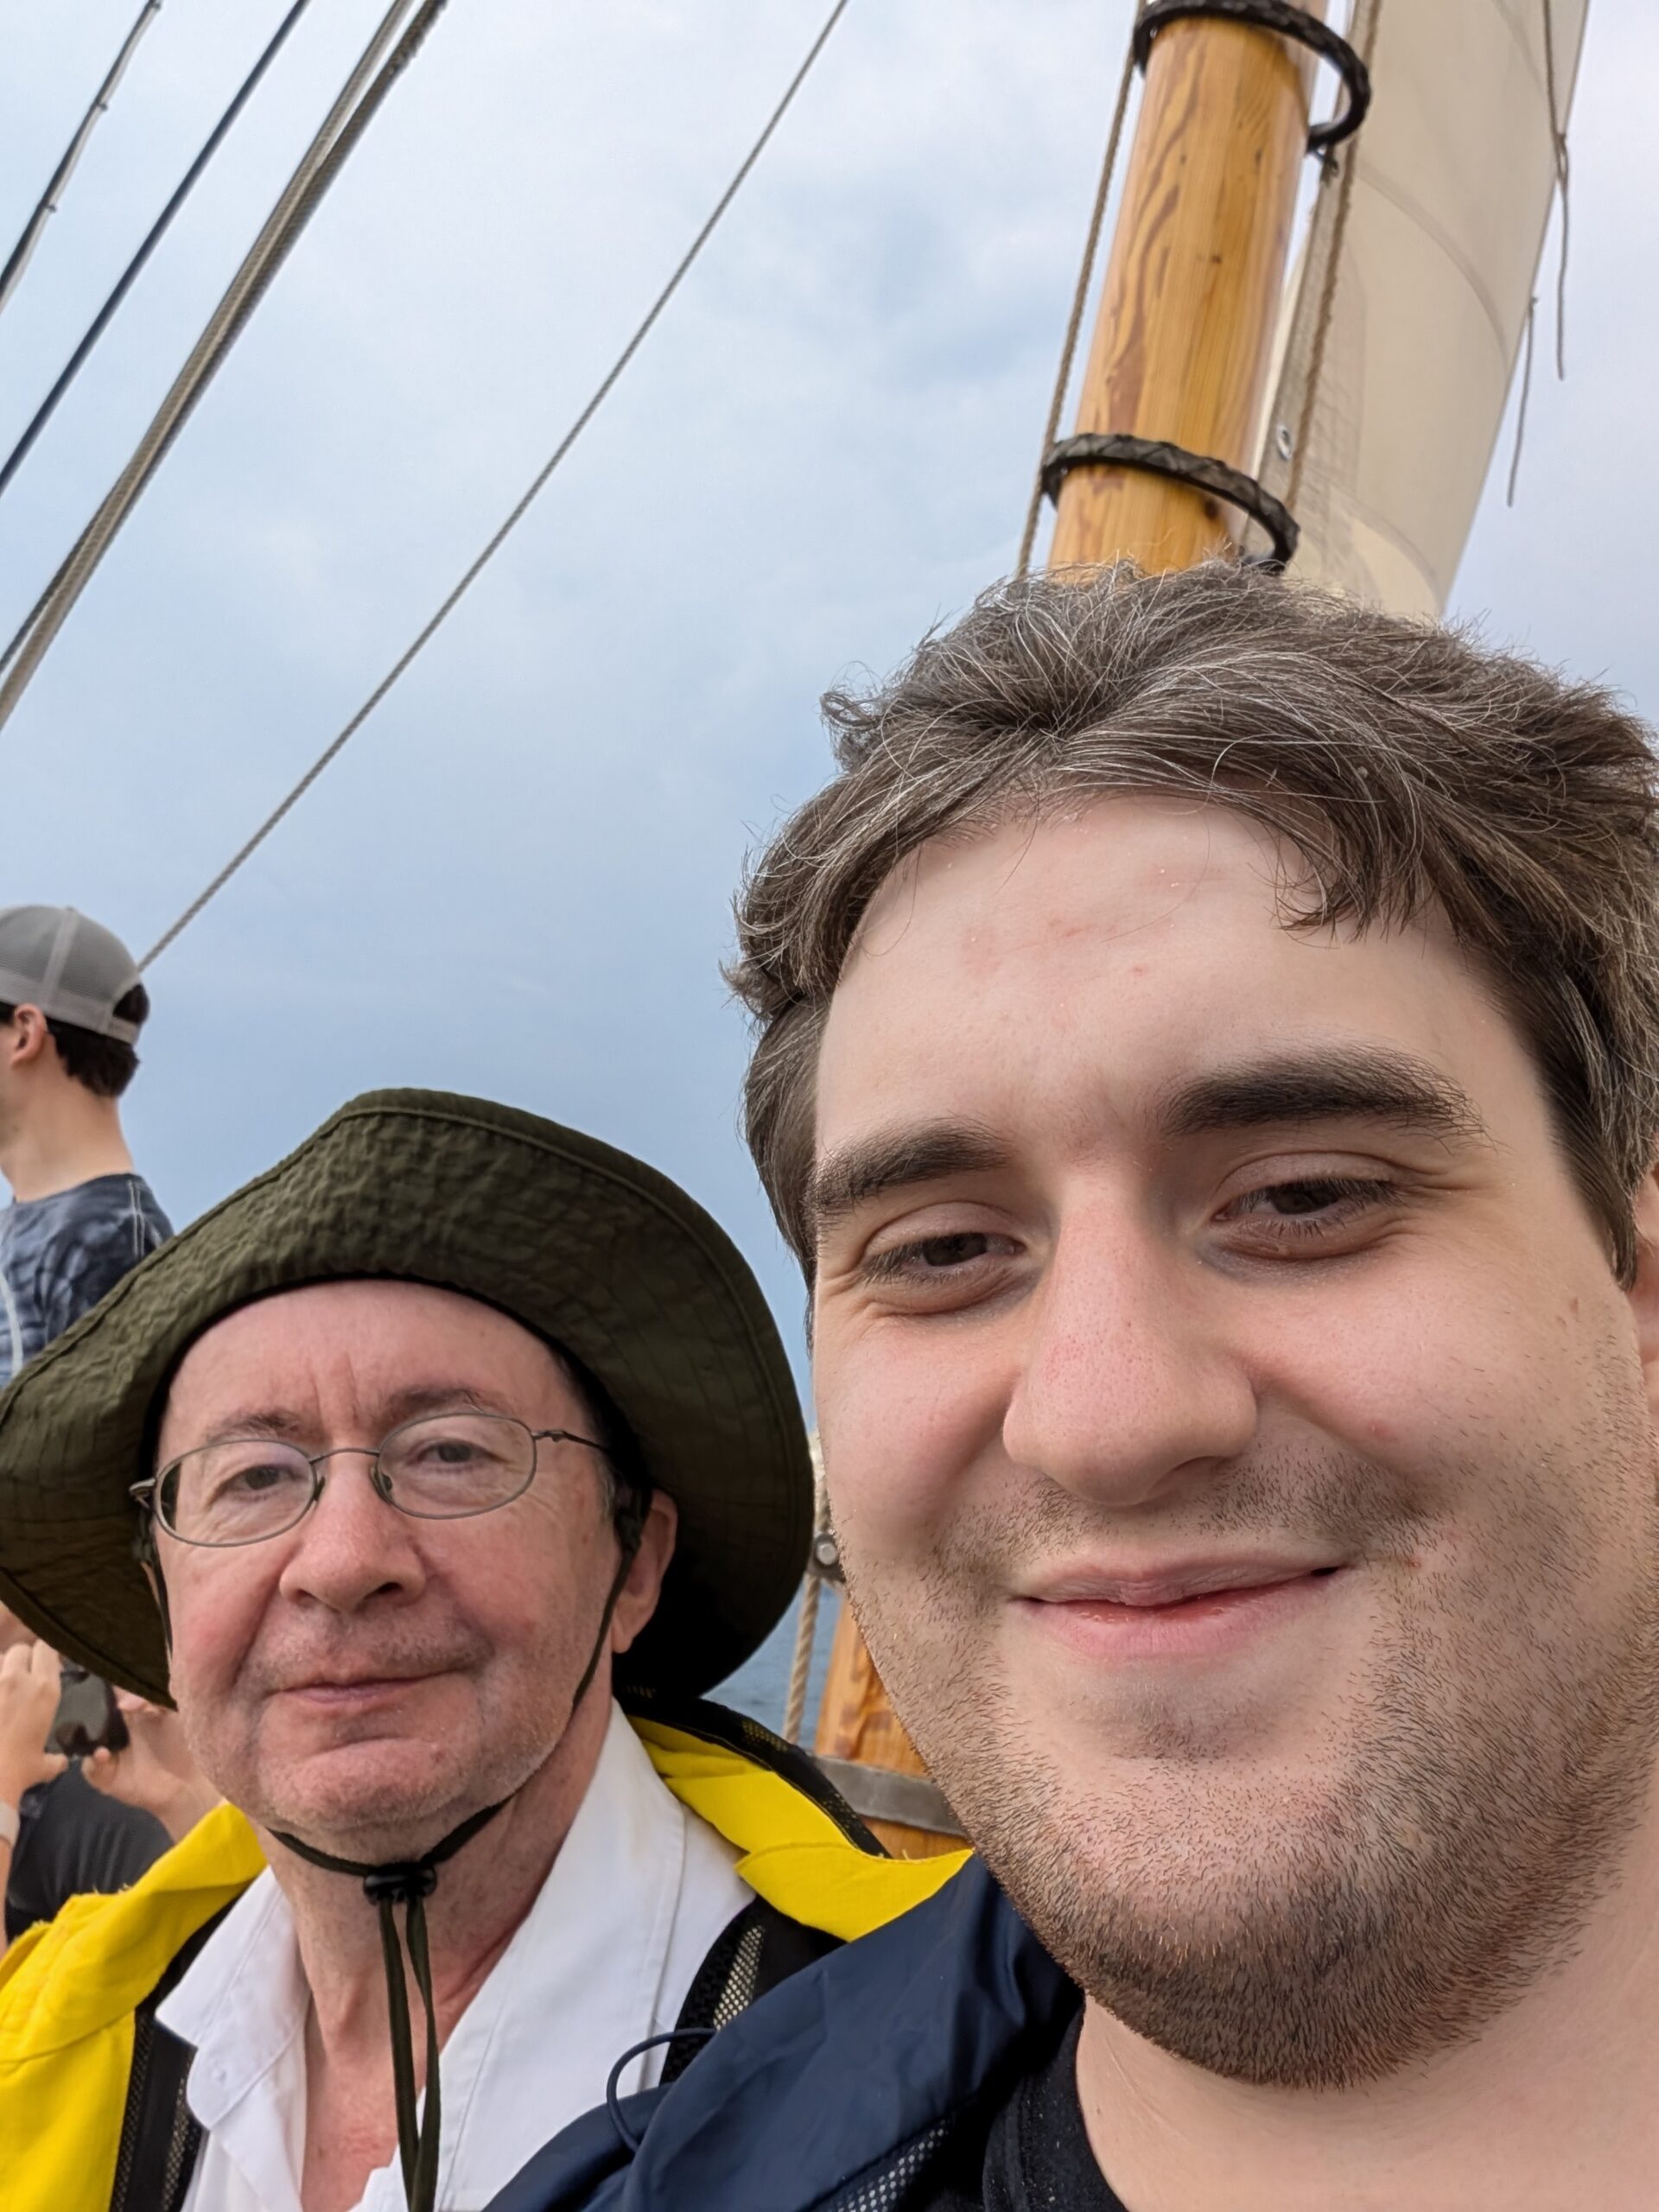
(73, 969)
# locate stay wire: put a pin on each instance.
(319, 166)
(153, 237)
(1079, 300)
(1339, 175)
(1526, 400)
(47, 205)
(1563, 179)
(517, 514)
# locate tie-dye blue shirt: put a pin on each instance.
(59, 1256)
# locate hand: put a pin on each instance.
(154, 1772)
(29, 1698)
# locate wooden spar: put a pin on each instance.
(1183, 341)
(856, 1722)
(1182, 351)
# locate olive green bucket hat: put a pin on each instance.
(579, 1243)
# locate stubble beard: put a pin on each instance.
(1465, 1826)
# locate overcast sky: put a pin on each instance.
(517, 879)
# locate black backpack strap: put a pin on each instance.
(160, 2137)
(758, 1948)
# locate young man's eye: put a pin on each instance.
(1309, 1205)
(934, 1259)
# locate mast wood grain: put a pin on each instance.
(1183, 341)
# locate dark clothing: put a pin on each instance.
(59, 1256)
(71, 1838)
(857, 2086)
(1034, 2157)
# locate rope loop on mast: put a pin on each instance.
(1119, 449)
(1292, 23)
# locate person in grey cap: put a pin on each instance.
(71, 1009)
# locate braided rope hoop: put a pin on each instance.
(1290, 23)
(1120, 450)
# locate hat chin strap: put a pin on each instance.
(410, 1882)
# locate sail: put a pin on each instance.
(1401, 334)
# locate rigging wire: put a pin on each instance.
(1526, 401)
(157, 231)
(1079, 300)
(602, 392)
(1340, 173)
(47, 205)
(341, 130)
(1558, 146)
(1563, 178)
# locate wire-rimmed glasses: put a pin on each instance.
(438, 1467)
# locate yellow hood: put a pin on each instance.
(69, 1989)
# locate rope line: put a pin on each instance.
(602, 392)
(1558, 145)
(800, 1672)
(1563, 178)
(157, 231)
(47, 205)
(1079, 300)
(1346, 166)
(1526, 399)
(806, 1619)
(340, 131)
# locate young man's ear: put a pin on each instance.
(1644, 1293)
(24, 1038)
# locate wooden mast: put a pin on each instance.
(1184, 342)
(1182, 351)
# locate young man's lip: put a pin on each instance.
(1172, 1584)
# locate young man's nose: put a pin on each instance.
(1127, 1377)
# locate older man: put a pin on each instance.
(388, 1470)
(1209, 1068)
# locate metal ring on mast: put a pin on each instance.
(1119, 449)
(1290, 23)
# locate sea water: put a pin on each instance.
(760, 1685)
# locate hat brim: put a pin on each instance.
(578, 1242)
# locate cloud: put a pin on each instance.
(516, 880)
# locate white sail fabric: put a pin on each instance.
(1393, 382)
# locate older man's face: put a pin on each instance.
(1239, 1445)
(368, 1674)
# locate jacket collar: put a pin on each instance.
(801, 1849)
(830, 2075)
(804, 1851)
(103, 1955)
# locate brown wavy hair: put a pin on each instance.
(1403, 766)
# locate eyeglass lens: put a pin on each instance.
(441, 1467)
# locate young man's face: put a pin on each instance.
(1239, 1445)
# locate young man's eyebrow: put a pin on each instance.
(1336, 1083)
(892, 1159)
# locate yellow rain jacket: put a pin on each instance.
(69, 1989)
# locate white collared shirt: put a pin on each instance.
(605, 1956)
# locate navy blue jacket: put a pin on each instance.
(847, 2073)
